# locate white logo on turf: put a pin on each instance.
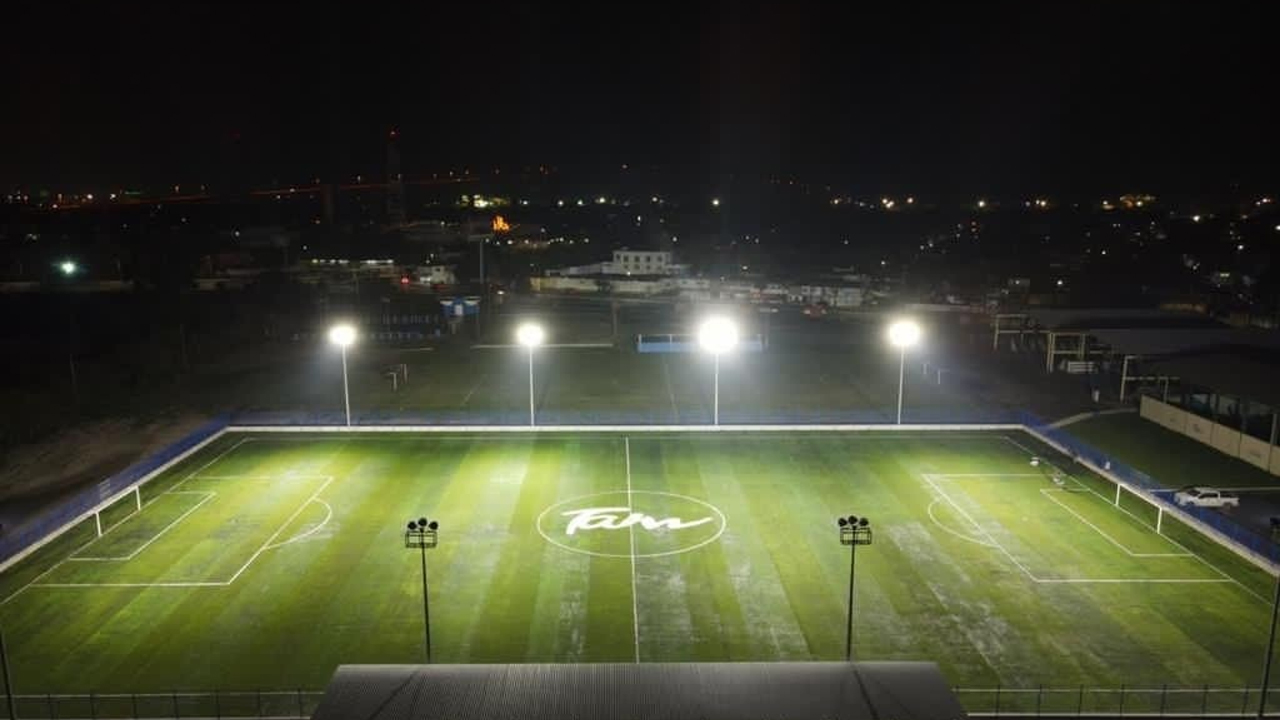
(670, 523)
(611, 518)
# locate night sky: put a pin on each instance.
(1059, 97)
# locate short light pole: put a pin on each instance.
(422, 535)
(717, 335)
(530, 336)
(1271, 638)
(902, 335)
(854, 531)
(343, 335)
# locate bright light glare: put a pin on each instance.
(530, 335)
(904, 333)
(68, 267)
(718, 335)
(342, 335)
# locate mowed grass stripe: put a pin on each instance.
(773, 587)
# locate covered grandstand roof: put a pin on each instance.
(1245, 373)
(1096, 318)
(1169, 340)
(641, 691)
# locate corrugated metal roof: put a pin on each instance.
(643, 691)
(1165, 341)
(1095, 318)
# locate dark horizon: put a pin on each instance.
(950, 102)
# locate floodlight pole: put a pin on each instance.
(715, 394)
(426, 604)
(346, 393)
(902, 367)
(854, 531)
(848, 628)
(531, 416)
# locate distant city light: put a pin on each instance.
(1240, 247)
(1060, 283)
(982, 204)
(1195, 218)
(715, 202)
(68, 267)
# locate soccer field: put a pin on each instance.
(266, 560)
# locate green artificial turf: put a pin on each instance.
(267, 560)
(1174, 459)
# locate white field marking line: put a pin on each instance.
(666, 376)
(511, 433)
(124, 558)
(328, 516)
(211, 583)
(314, 496)
(929, 479)
(957, 533)
(215, 459)
(631, 530)
(133, 585)
(1070, 581)
(1047, 492)
(35, 582)
(473, 389)
(1139, 520)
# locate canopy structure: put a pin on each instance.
(642, 691)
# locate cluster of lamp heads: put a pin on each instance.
(423, 524)
(852, 521)
(716, 335)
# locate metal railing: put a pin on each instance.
(1118, 701)
(274, 704)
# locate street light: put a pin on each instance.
(854, 531)
(531, 336)
(902, 335)
(717, 335)
(343, 335)
(68, 268)
(422, 535)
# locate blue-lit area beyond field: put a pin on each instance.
(267, 559)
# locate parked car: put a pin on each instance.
(1205, 497)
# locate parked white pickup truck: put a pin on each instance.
(1206, 497)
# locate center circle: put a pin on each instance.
(640, 523)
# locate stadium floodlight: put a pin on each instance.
(717, 335)
(531, 336)
(1271, 639)
(854, 531)
(68, 268)
(423, 535)
(903, 334)
(343, 335)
